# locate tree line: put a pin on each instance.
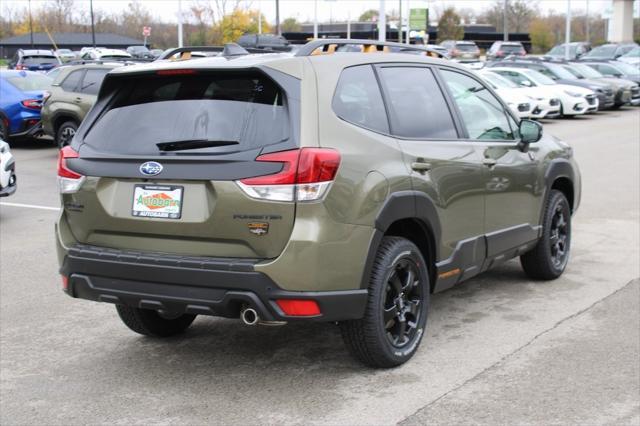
(211, 22)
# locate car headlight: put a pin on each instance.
(574, 94)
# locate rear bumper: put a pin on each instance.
(196, 285)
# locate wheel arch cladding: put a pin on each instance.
(561, 175)
(411, 215)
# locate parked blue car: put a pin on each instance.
(21, 96)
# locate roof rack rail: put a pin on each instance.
(228, 50)
(123, 61)
(322, 46)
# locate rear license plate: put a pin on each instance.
(159, 201)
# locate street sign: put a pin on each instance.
(419, 19)
(146, 31)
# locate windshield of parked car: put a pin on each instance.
(538, 78)
(29, 81)
(247, 108)
(560, 72)
(40, 59)
(634, 53)
(586, 71)
(511, 48)
(466, 47)
(607, 51)
(559, 50)
(498, 81)
(626, 68)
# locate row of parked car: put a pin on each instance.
(56, 101)
(43, 60)
(468, 51)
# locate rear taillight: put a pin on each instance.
(306, 175)
(68, 180)
(32, 103)
(20, 67)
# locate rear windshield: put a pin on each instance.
(30, 82)
(37, 60)
(466, 47)
(605, 51)
(225, 111)
(511, 48)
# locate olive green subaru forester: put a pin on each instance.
(342, 187)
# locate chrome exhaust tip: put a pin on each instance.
(249, 316)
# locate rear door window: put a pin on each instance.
(92, 81)
(202, 113)
(72, 81)
(417, 106)
(358, 100)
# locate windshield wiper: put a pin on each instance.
(193, 144)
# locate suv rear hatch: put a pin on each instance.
(163, 152)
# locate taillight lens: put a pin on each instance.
(306, 175)
(32, 103)
(20, 67)
(68, 180)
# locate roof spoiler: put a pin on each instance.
(326, 46)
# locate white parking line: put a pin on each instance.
(30, 206)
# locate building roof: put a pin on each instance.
(70, 39)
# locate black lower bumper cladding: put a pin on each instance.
(196, 285)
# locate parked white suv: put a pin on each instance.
(572, 98)
(8, 183)
(542, 105)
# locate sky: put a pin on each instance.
(328, 10)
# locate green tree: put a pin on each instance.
(369, 16)
(449, 27)
(520, 13)
(542, 36)
(290, 25)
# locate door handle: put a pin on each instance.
(421, 166)
(489, 162)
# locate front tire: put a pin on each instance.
(548, 259)
(65, 133)
(152, 323)
(396, 314)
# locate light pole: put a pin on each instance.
(567, 31)
(93, 27)
(315, 19)
(505, 22)
(382, 23)
(30, 24)
(278, 30)
(180, 43)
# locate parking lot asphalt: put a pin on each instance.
(499, 349)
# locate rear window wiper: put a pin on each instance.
(193, 144)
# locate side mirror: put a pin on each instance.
(525, 83)
(530, 132)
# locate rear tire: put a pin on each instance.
(396, 314)
(548, 259)
(151, 323)
(65, 133)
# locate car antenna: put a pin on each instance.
(233, 49)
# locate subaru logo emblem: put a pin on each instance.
(150, 168)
